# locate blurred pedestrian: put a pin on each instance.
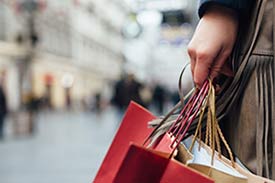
(32, 106)
(118, 97)
(98, 102)
(249, 123)
(126, 89)
(3, 111)
(159, 98)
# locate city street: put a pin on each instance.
(67, 147)
(67, 57)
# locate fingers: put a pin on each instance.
(206, 64)
(202, 67)
(201, 62)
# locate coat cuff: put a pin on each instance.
(238, 5)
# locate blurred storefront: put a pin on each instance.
(77, 51)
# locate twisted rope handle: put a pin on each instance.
(213, 131)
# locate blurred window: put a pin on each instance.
(174, 18)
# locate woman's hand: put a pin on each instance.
(212, 43)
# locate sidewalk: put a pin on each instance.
(66, 148)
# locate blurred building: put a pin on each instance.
(77, 48)
(70, 50)
(158, 51)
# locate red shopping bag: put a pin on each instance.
(132, 129)
(137, 164)
(156, 164)
(142, 165)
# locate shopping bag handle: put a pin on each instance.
(196, 105)
(174, 109)
(180, 127)
(190, 111)
(213, 130)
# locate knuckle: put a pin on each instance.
(191, 50)
(197, 82)
(202, 54)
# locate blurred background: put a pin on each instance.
(68, 69)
